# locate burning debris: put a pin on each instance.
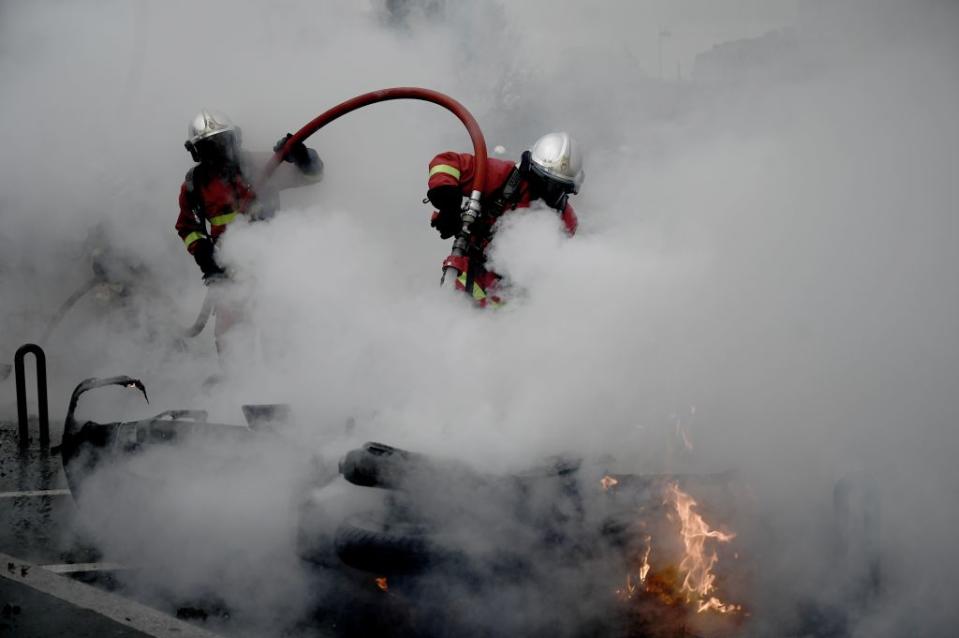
(647, 521)
(607, 482)
(699, 581)
(633, 587)
(675, 578)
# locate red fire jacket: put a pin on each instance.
(218, 199)
(457, 169)
(214, 199)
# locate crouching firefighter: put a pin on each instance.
(218, 191)
(550, 171)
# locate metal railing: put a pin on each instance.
(23, 431)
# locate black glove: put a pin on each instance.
(299, 154)
(448, 222)
(214, 278)
(446, 197)
(203, 254)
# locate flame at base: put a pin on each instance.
(699, 581)
(693, 582)
(631, 587)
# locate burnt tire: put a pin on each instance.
(368, 543)
(379, 465)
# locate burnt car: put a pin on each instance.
(410, 544)
(89, 445)
(563, 548)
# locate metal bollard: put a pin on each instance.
(44, 423)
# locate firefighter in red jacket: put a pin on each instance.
(218, 191)
(550, 171)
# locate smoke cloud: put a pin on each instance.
(765, 261)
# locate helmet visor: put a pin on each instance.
(217, 148)
(555, 192)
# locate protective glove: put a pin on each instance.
(447, 222)
(299, 154)
(446, 197)
(215, 278)
(203, 254)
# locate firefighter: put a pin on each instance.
(550, 172)
(218, 191)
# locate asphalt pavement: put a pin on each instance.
(38, 516)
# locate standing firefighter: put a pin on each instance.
(218, 191)
(550, 171)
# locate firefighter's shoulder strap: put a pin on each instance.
(193, 191)
(508, 196)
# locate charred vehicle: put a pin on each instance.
(88, 445)
(578, 550)
(563, 549)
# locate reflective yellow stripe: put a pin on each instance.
(445, 168)
(192, 237)
(222, 220)
(478, 293)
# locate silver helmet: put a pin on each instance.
(556, 157)
(207, 124)
(211, 134)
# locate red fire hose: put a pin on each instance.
(470, 212)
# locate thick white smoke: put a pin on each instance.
(766, 253)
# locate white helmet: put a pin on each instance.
(555, 157)
(213, 126)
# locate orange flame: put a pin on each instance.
(631, 587)
(627, 592)
(644, 568)
(382, 584)
(699, 582)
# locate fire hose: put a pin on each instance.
(67, 305)
(54, 321)
(204, 315)
(471, 210)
